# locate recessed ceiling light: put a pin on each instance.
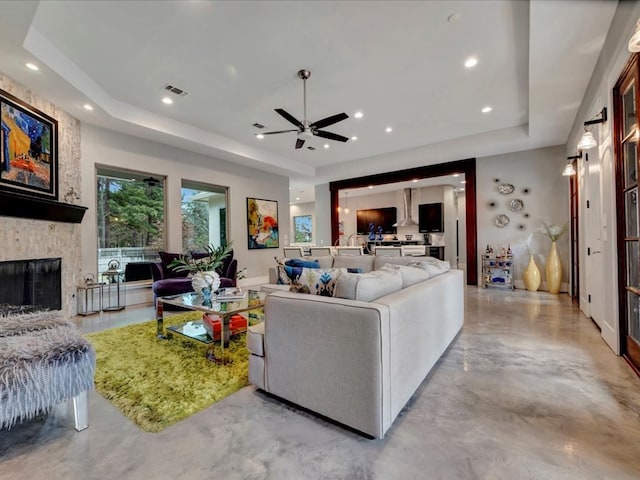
(463, 181)
(88, 107)
(370, 187)
(354, 138)
(471, 62)
(456, 174)
(486, 109)
(326, 145)
(358, 115)
(289, 188)
(32, 66)
(297, 198)
(167, 100)
(388, 129)
(260, 136)
(415, 180)
(453, 18)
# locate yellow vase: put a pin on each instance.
(531, 276)
(554, 270)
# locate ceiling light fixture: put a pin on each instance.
(260, 136)
(569, 169)
(471, 62)
(167, 100)
(588, 141)
(354, 138)
(634, 41)
(370, 187)
(297, 198)
(456, 174)
(86, 106)
(358, 115)
(32, 66)
(388, 130)
(326, 145)
(486, 109)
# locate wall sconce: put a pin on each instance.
(587, 141)
(569, 169)
(634, 41)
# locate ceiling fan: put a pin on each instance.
(305, 129)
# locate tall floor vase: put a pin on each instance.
(554, 270)
(531, 275)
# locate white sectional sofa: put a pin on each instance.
(356, 362)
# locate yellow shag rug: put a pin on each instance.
(157, 383)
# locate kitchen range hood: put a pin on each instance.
(407, 221)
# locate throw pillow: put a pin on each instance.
(317, 281)
(432, 265)
(299, 262)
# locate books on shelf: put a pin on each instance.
(231, 293)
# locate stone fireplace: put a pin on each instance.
(28, 239)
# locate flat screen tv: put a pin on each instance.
(431, 217)
(380, 217)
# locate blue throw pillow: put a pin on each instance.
(293, 273)
(299, 262)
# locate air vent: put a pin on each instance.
(311, 148)
(176, 90)
(258, 125)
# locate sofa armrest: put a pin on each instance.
(156, 271)
(315, 345)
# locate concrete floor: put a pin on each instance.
(528, 390)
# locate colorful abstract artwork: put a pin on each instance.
(303, 229)
(262, 223)
(28, 149)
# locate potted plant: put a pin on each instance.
(203, 267)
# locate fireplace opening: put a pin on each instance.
(30, 285)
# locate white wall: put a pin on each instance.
(323, 214)
(540, 171)
(100, 146)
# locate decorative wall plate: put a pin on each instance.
(506, 188)
(501, 220)
(516, 205)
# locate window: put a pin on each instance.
(204, 215)
(130, 216)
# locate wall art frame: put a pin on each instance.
(28, 149)
(262, 223)
(303, 229)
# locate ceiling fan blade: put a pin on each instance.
(325, 122)
(299, 143)
(289, 117)
(330, 136)
(279, 131)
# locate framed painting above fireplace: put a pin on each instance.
(28, 149)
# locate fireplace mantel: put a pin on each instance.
(24, 206)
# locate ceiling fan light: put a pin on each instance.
(634, 41)
(569, 170)
(587, 141)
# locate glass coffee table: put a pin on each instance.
(194, 330)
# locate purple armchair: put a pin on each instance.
(169, 282)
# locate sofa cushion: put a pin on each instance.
(365, 262)
(317, 281)
(166, 258)
(410, 275)
(432, 265)
(367, 287)
(379, 261)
